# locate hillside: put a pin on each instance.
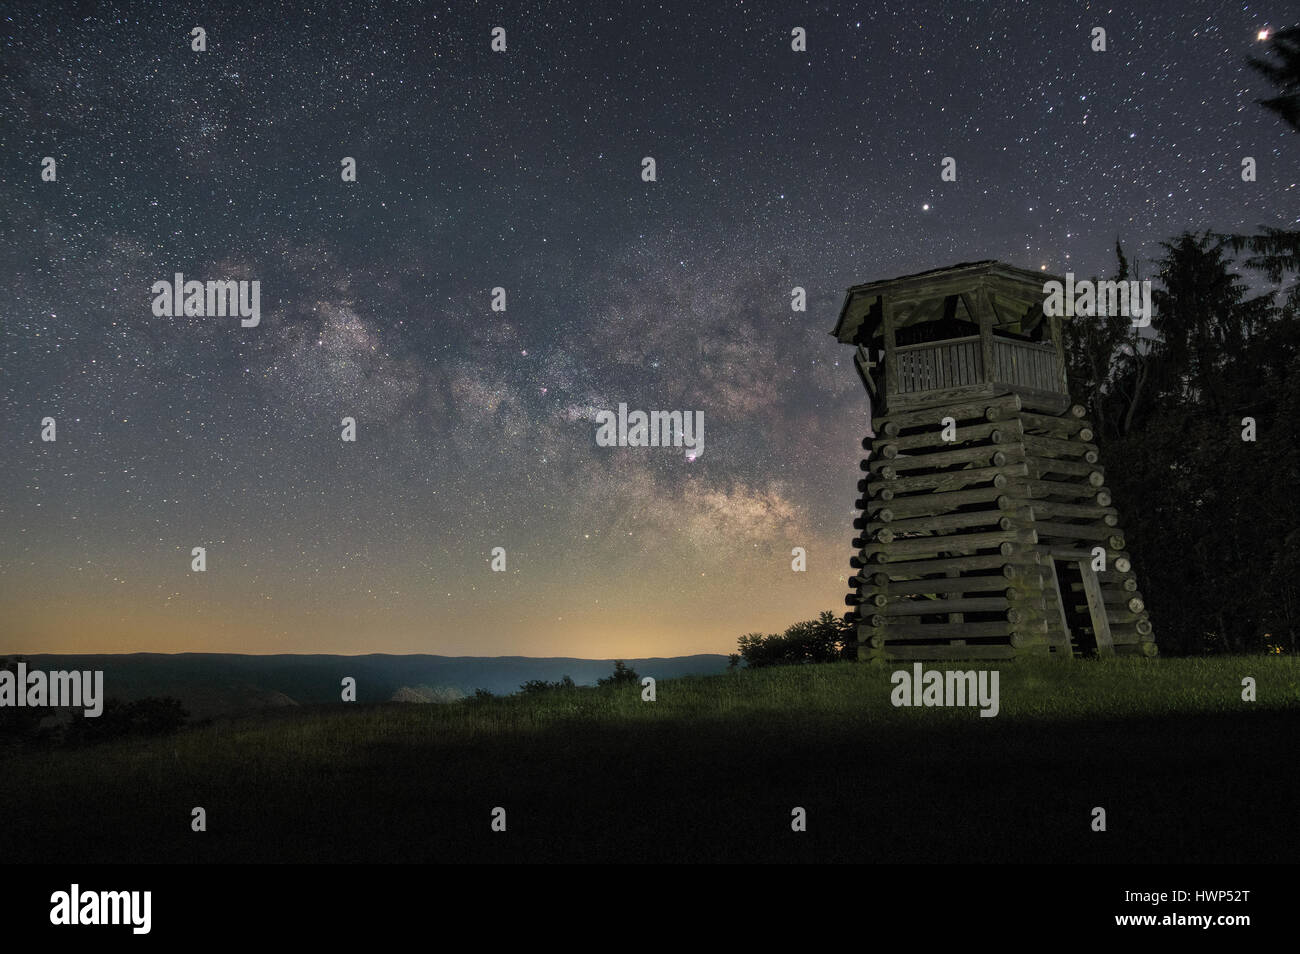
(710, 771)
(223, 683)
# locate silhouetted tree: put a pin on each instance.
(19, 723)
(820, 640)
(1275, 251)
(150, 716)
(1281, 66)
(1215, 541)
(1108, 362)
(541, 685)
(621, 675)
(1202, 320)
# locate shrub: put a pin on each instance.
(823, 639)
(622, 675)
(148, 716)
(19, 722)
(541, 685)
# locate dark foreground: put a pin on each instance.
(711, 771)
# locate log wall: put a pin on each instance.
(959, 539)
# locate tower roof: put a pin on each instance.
(1014, 295)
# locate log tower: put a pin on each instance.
(985, 512)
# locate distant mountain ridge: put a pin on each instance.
(219, 683)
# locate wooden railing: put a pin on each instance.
(955, 363)
(942, 364)
(1025, 364)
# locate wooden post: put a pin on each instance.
(862, 360)
(981, 310)
(1067, 650)
(986, 349)
(891, 349)
(1097, 610)
(1054, 323)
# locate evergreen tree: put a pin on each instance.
(1283, 71)
(1276, 251)
(1202, 320)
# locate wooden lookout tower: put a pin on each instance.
(985, 512)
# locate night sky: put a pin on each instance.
(522, 169)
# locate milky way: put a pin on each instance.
(522, 170)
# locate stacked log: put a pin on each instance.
(960, 538)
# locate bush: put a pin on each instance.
(621, 676)
(149, 716)
(541, 685)
(19, 723)
(824, 639)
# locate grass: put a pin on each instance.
(710, 771)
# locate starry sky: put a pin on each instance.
(522, 169)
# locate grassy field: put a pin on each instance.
(710, 771)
